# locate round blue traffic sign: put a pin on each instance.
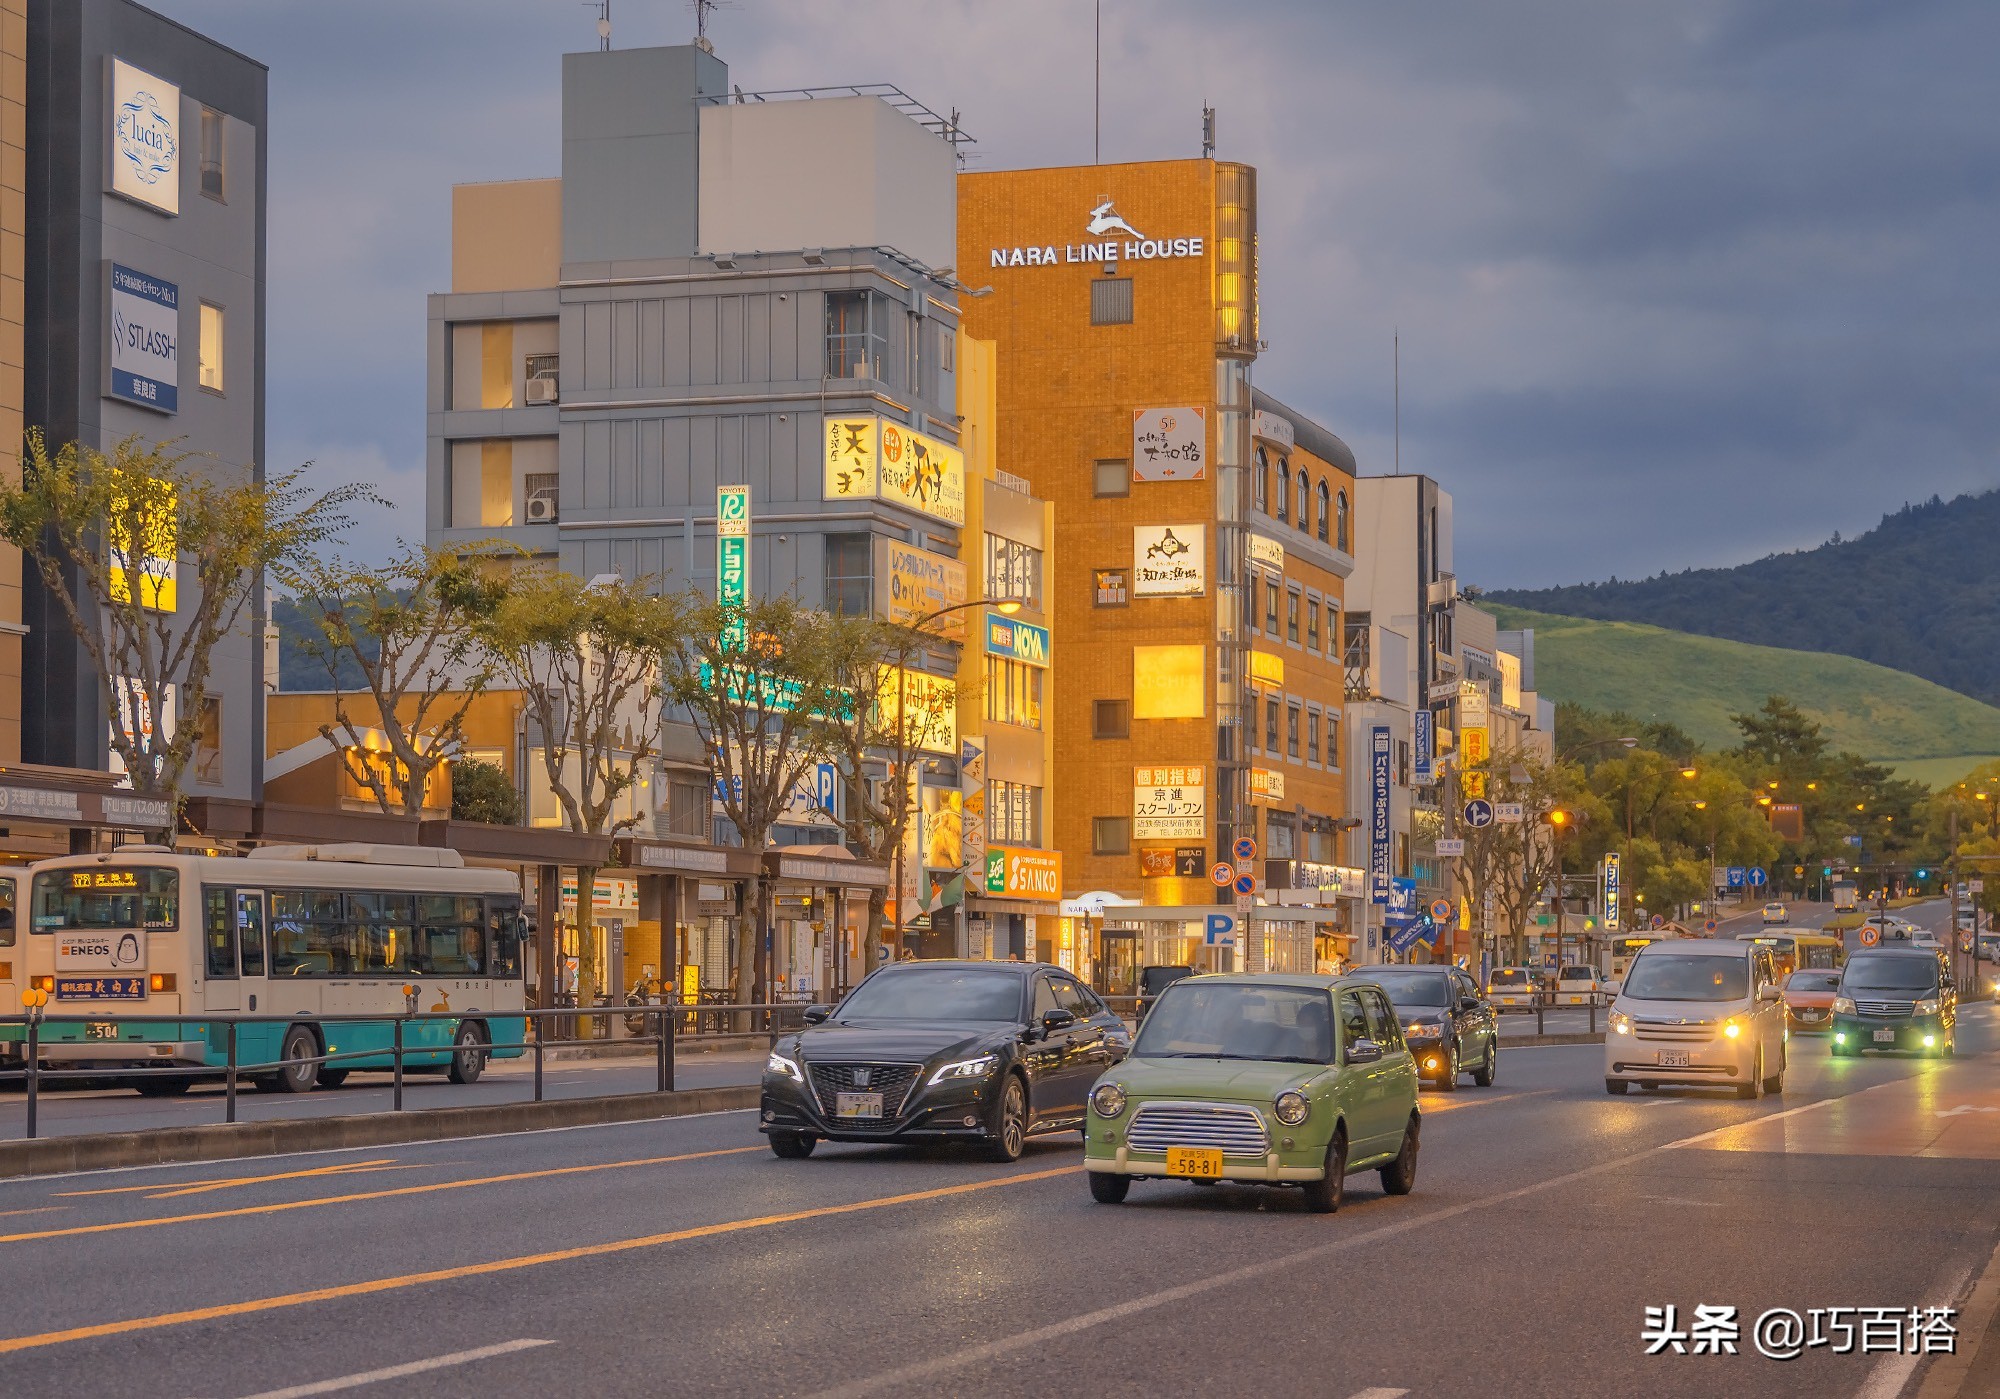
(1222, 876)
(1478, 813)
(1246, 884)
(1245, 849)
(1756, 876)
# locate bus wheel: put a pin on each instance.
(333, 1078)
(299, 1043)
(164, 1087)
(468, 1059)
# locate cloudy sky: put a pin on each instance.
(1676, 284)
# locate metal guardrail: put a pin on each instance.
(551, 1029)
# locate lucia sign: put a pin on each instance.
(1109, 239)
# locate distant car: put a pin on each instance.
(1579, 986)
(1808, 997)
(1895, 998)
(1775, 913)
(1153, 980)
(1450, 1029)
(1285, 1080)
(1512, 988)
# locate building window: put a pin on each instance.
(1113, 587)
(850, 583)
(211, 154)
(1321, 493)
(1013, 693)
(1292, 731)
(208, 748)
(1305, 502)
(1402, 762)
(211, 347)
(1292, 616)
(1332, 626)
(1111, 301)
(1278, 837)
(857, 334)
(1271, 608)
(1013, 813)
(1110, 835)
(1262, 482)
(1333, 740)
(1270, 726)
(1312, 624)
(1014, 570)
(1312, 735)
(1284, 491)
(1340, 541)
(1111, 719)
(1112, 478)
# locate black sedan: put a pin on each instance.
(985, 1052)
(1448, 1025)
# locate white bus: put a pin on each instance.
(145, 943)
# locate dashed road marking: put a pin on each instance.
(416, 1367)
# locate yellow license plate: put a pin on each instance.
(1195, 1162)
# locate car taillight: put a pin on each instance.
(43, 983)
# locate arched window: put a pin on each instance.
(1322, 492)
(1340, 540)
(1305, 502)
(1262, 484)
(1284, 492)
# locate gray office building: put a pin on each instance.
(146, 153)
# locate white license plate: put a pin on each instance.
(1673, 1058)
(1885, 1037)
(857, 1104)
(101, 1030)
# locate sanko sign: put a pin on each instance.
(1104, 219)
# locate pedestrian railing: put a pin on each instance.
(544, 1031)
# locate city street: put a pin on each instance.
(681, 1257)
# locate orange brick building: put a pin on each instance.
(1197, 696)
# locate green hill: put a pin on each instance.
(1697, 682)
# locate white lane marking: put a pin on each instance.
(1380, 1394)
(1975, 1317)
(397, 1372)
(1893, 1372)
(992, 1350)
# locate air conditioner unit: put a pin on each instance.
(543, 390)
(542, 510)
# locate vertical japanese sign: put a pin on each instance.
(1381, 756)
(1611, 873)
(1424, 736)
(1474, 738)
(972, 799)
(732, 552)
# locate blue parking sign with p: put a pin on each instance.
(1220, 930)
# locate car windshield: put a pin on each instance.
(1510, 976)
(1416, 989)
(1232, 1020)
(1890, 974)
(1681, 976)
(1813, 981)
(1160, 978)
(935, 993)
(1576, 974)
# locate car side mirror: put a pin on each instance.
(1468, 1003)
(1053, 1020)
(1364, 1052)
(1767, 993)
(816, 1015)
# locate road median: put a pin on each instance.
(46, 1156)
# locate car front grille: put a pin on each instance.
(1674, 1034)
(892, 1081)
(1238, 1130)
(1885, 1008)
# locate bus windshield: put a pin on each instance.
(126, 897)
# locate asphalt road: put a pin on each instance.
(680, 1257)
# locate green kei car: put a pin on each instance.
(1267, 1080)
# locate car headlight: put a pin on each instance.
(1621, 1023)
(779, 1064)
(1291, 1107)
(1107, 1100)
(1843, 1005)
(1927, 1006)
(1732, 1028)
(1423, 1029)
(967, 1068)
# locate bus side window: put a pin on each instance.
(503, 938)
(250, 931)
(7, 895)
(219, 932)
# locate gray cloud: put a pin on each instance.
(1676, 284)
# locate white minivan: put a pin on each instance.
(1696, 1011)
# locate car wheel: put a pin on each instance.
(1109, 1189)
(1750, 1089)
(793, 1146)
(1617, 1086)
(1324, 1196)
(1448, 1075)
(333, 1078)
(1774, 1086)
(1010, 1124)
(1490, 1070)
(468, 1055)
(299, 1043)
(1400, 1175)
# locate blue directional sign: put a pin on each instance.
(1478, 813)
(1756, 876)
(1220, 930)
(1737, 875)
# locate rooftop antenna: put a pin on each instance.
(701, 11)
(603, 8)
(1207, 131)
(1397, 351)
(1097, 95)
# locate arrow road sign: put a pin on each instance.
(1756, 876)
(1222, 876)
(1478, 814)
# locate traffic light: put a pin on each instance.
(1825, 870)
(1923, 874)
(1798, 871)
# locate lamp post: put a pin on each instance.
(1006, 607)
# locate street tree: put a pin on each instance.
(154, 556)
(586, 658)
(758, 683)
(409, 628)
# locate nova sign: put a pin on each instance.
(1126, 244)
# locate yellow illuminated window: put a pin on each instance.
(1169, 682)
(211, 347)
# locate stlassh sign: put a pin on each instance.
(1109, 241)
(145, 334)
(871, 458)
